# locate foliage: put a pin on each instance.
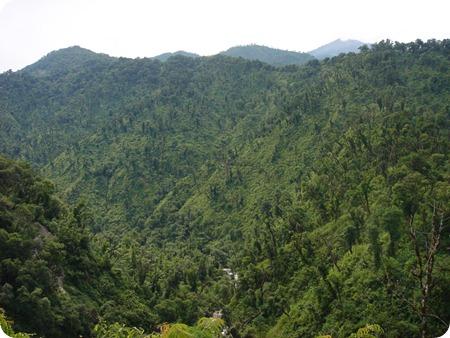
(205, 328)
(116, 330)
(368, 331)
(5, 326)
(322, 190)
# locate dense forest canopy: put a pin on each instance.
(296, 201)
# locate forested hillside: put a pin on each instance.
(272, 56)
(324, 188)
(49, 273)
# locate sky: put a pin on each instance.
(29, 29)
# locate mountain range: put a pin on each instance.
(202, 195)
(73, 56)
(279, 57)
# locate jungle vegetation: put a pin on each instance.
(127, 186)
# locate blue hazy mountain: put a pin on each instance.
(336, 47)
(273, 56)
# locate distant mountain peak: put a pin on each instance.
(72, 52)
(72, 48)
(60, 60)
(273, 56)
(337, 47)
(165, 56)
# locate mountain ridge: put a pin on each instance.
(272, 56)
(337, 47)
(59, 60)
(64, 60)
(307, 181)
(165, 56)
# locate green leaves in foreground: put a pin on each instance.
(300, 200)
(368, 331)
(7, 329)
(205, 328)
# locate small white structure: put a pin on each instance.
(231, 274)
(228, 271)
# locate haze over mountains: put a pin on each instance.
(279, 57)
(165, 56)
(130, 189)
(337, 47)
(276, 57)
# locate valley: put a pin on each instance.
(299, 200)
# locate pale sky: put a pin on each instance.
(29, 29)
